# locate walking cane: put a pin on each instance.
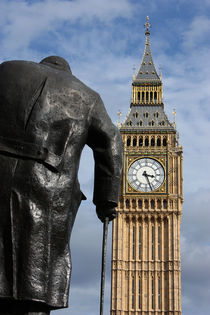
(103, 265)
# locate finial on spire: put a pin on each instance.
(119, 115)
(160, 69)
(134, 72)
(174, 114)
(177, 139)
(147, 26)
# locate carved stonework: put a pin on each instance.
(152, 213)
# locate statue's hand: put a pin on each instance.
(104, 211)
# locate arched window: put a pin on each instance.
(146, 203)
(147, 96)
(140, 237)
(165, 204)
(158, 142)
(133, 203)
(146, 115)
(133, 242)
(155, 96)
(146, 142)
(153, 241)
(128, 141)
(132, 294)
(151, 97)
(140, 204)
(121, 203)
(135, 115)
(159, 293)
(164, 142)
(152, 291)
(159, 242)
(152, 204)
(142, 96)
(140, 141)
(138, 96)
(158, 204)
(153, 142)
(139, 294)
(127, 203)
(134, 142)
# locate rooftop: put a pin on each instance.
(147, 118)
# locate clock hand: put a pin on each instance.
(150, 175)
(146, 175)
(149, 182)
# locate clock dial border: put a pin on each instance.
(162, 160)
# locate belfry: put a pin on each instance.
(146, 264)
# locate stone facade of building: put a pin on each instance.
(146, 265)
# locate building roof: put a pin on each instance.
(150, 116)
(147, 72)
(147, 118)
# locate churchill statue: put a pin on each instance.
(47, 116)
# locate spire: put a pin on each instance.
(147, 72)
(147, 109)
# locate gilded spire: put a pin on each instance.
(146, 108)
(147, 71)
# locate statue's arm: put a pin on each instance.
(106, 142)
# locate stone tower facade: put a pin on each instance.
(146, 266)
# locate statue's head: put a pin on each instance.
(56, 62)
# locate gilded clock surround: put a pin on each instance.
(146, 262)
(131, 159)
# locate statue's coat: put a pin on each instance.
(46, 117)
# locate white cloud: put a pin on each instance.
(195, 249)
(22, 22)
(196, 34)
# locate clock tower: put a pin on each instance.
(146, 266)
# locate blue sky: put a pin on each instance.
(103, 40)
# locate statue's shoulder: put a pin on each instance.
(57, 73)
(61, 72)
(20, 70)
(14, 64)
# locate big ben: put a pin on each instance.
(146, 264)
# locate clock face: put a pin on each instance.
(146, 175)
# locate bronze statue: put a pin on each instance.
(46, 117)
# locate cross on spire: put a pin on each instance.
(147, 26)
